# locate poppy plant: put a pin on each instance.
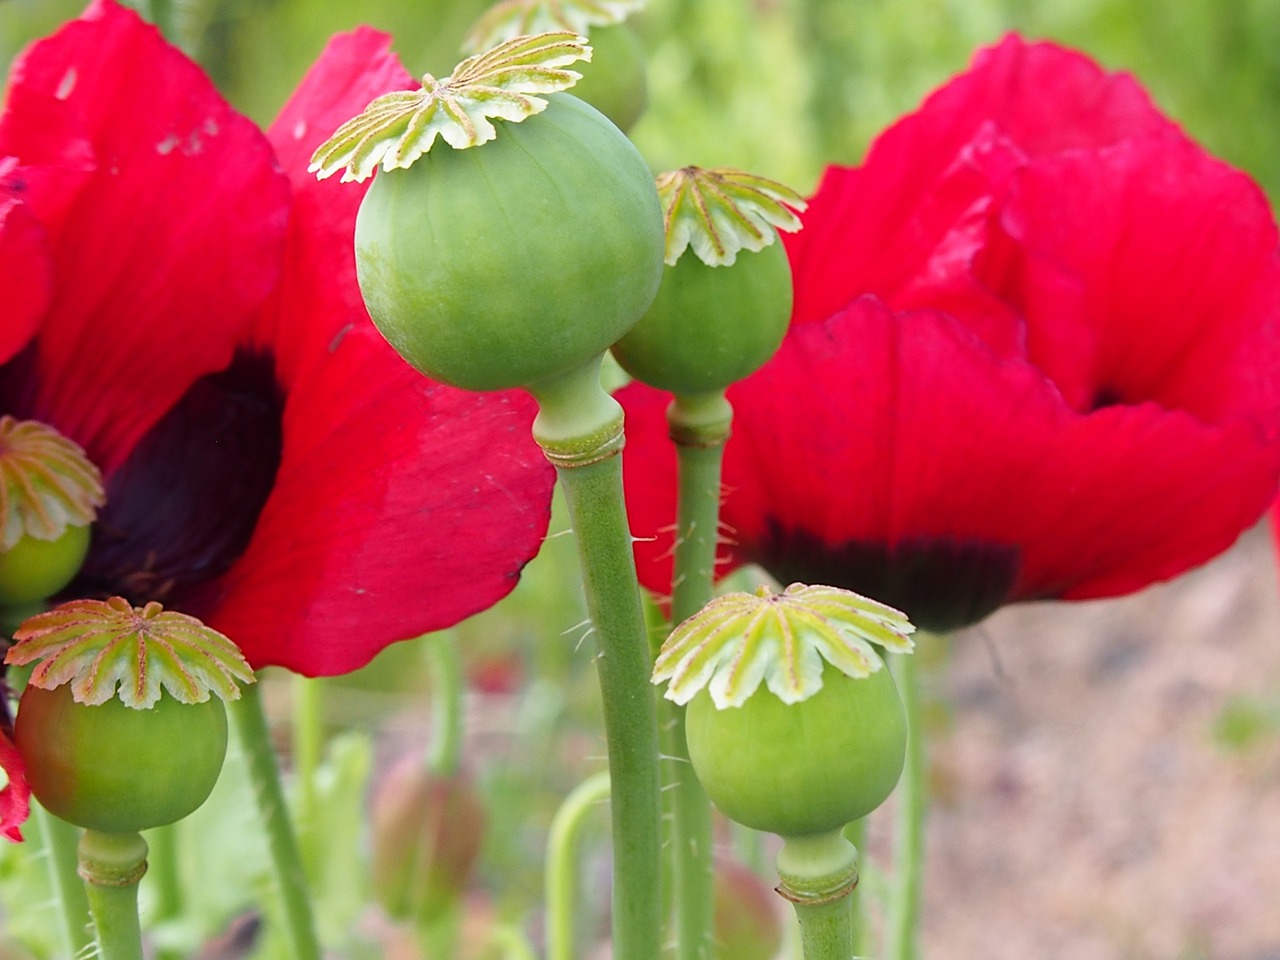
(1032, 355)
(181, 301)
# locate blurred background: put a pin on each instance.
(1105, 776)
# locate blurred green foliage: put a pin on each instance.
(783, 86)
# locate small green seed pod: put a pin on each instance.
(726, 295)
(616, 81)
(122, 726)
(801, 768)
(50, 493)
(32, 570)
(427, 829)
(794, 724)
(114, 768)
(710, 326)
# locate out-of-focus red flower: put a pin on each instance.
(1033, 355)
(181, 301)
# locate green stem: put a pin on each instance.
(166, 881)
(699, 426)
(438, 937)
(111, 865)
(250, 723)
(562, 863)
(510, 942)
(856, 833)
(445, 752)
(818, 876)
(901, 941)
(579, 428)
(307, 741)
(61, 841)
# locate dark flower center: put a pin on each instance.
(182, 508)
(940, 583)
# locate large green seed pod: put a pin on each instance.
(514, 262)
(114, 768)
(801, 768)
(725, 299)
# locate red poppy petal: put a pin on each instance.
(15, 798)
(905, 226)
(170, 245)
(1134, 495)
(318, 295)
(910, 242)
(25, 275)
(401, 506)
(877, 428)
(1175, 253)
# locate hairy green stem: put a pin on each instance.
(699, 426)
(61, 840)
(901, 939)
(819, 873)
(111, 865)
(250, 722)
(579, 428)
(444, 755)
(562, 863)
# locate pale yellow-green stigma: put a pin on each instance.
(504, 83)
(719, 211)
(740, 639)
(513, 18)
(47, 484)
(98, 646)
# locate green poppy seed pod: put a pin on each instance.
(616, 82)
(427, 832)
(710, 326)
(516, 261)
(115, 768)
(33, 570)
(725, 299)
(746, 925)
(801, 768)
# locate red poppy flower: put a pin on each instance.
(188, 313)
(1033, 355)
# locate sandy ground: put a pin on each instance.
(1085, 807)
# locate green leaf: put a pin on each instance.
(742, 639)
(101, 646)
(398, 128)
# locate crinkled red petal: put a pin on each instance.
(401, 506)
(15, 798)
(1174, 256)
(892, 429)
(169, 245)
(318, 295)
(25, 274)
(908, 223)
